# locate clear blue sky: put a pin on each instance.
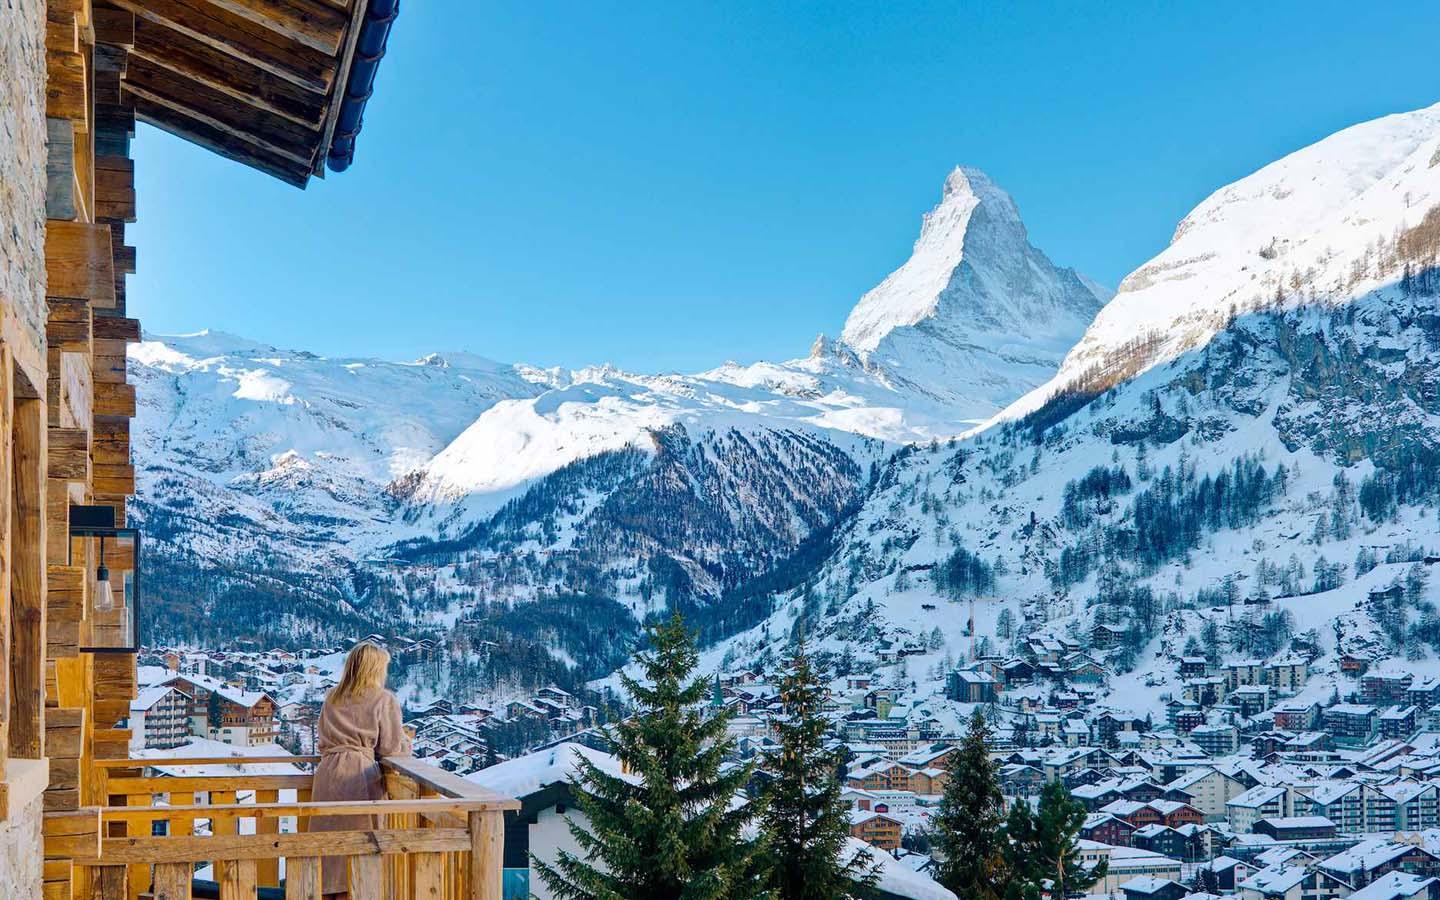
(666, 186)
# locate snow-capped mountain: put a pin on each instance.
(976, 315)
(631, 489)
(1256, 415)
(1238, 460)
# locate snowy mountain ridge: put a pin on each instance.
(1293, 231)
(343, 461)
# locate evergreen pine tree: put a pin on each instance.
(967, 824)
(668, 829)
(805, 820)
(1055, 850)
(1022, 880)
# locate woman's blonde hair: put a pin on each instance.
(364, 672)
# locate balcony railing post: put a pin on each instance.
(172, 880)
(487, 846)
(302, 878)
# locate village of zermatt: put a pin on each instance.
(1170, 546)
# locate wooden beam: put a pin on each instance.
(27, 582)
(114, 189)
(240, 38)
(222, 112)
(307, 22)
(217, 141)
(117, 328)
(221, 72)
(247, 846)
(79, 264)
(72, 834)
(67, 88)
(59, 169)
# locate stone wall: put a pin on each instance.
(22, 290)
(20, 843)
(22, 162)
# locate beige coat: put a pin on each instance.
(352, 736)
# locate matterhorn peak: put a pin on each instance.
(976, 315)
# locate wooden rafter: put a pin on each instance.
(217, 141)
(221, 111)
(309, 22)
(237, 79)
(241, 38)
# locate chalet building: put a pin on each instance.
(159, 719)
(1194, 667)
(967, 686)
(220, 712)
(877, 829)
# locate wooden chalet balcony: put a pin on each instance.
(437, 835)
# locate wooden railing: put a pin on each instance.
(436, 836)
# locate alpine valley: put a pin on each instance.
(1235, 456)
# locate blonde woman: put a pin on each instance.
(359, 723)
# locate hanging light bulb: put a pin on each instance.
(104, 596)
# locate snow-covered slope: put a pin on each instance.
(1239, 459)
(1294, 232)
(976, 315)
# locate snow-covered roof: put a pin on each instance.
(525, 775)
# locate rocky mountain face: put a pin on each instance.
(298, 499)
(976, 314)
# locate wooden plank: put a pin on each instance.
(72, 834)
(268, 872)
(115, 400)
(79, 264)
(208, 783)
(302, 878)
(114, 26)
(172, 880)
(114, 190)
(238, 880)
(487, 855)
(59, 169)
(366, 878)
(316, 25)
(248, 846)
(68, 455)
(28, 582)
(446, 784)
(7, 502)
(67, 94)
(240, 38)
(429, 876)
(239, 121)
(109, 883)
(194, 61)
(276, 811)
(205, 761)
(117, 328)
